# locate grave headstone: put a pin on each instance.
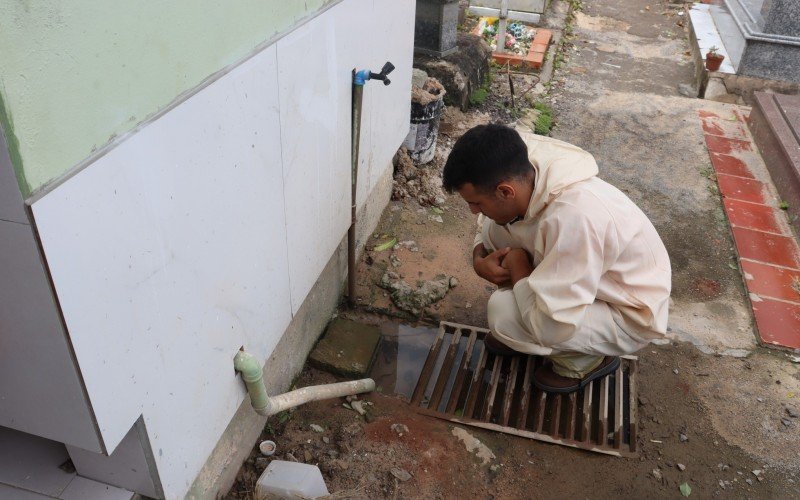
(435, 27)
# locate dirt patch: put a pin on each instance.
(677, 439)
(599, 23)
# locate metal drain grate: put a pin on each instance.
(462, 382)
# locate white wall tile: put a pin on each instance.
(168, 254)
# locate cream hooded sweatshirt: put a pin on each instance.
(588, 242)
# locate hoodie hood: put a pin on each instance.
(558, 165)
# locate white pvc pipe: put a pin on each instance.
(263, 404)
(318, 392)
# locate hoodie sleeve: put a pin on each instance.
(554, 298)
(482, 223)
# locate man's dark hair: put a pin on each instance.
(486, 156)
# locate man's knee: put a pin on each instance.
(502, 308)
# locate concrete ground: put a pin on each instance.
(710, 399)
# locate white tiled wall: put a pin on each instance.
(204, 231)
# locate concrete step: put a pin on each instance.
(775, 125)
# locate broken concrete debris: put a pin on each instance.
(415, 300)
(401, 474)
(400, 429)
(419, 183)
(474, 445)
(291, 480)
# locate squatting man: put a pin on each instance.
(583, 276)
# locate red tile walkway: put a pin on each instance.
(768, 251)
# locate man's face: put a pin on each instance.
(494, 204)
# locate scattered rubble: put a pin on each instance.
(415, 300)
(400, 429)
(474, 445)
(422, 183)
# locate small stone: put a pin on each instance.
(439, 201)
(369, 418)
(748, 481)
(436, 218)
(494, 468)
(675, 371)
(786, 422)
(401, 474)
(351, 398)
(716, 91)
(792, 411)
(760, 400)
(683, 437)
(308, 456)
(687, 90)
(681, 467)
(657, 474)
(326, 439)
(400, 429)
(453, 282)
(359, 407)
(316, 428)
(467, 305)
(757, 472)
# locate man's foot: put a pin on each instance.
(496, 347)
(549, 381)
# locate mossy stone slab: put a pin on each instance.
(348, 348)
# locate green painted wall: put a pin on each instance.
(74, 75)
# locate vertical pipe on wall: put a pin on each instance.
(357, 96)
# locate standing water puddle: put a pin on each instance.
(401, 355)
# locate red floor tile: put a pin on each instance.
(712, 127)
(730, 165)
(706, 114)
(770, 281)
(726, 146)
(730, 128)
(740, 188)
(765, 247)
(778, 322)
(752, 216)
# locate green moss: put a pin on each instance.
(544, 122)
(479, 96)
(12, 143)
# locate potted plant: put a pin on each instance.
(713, 59)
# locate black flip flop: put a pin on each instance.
(600, 372)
